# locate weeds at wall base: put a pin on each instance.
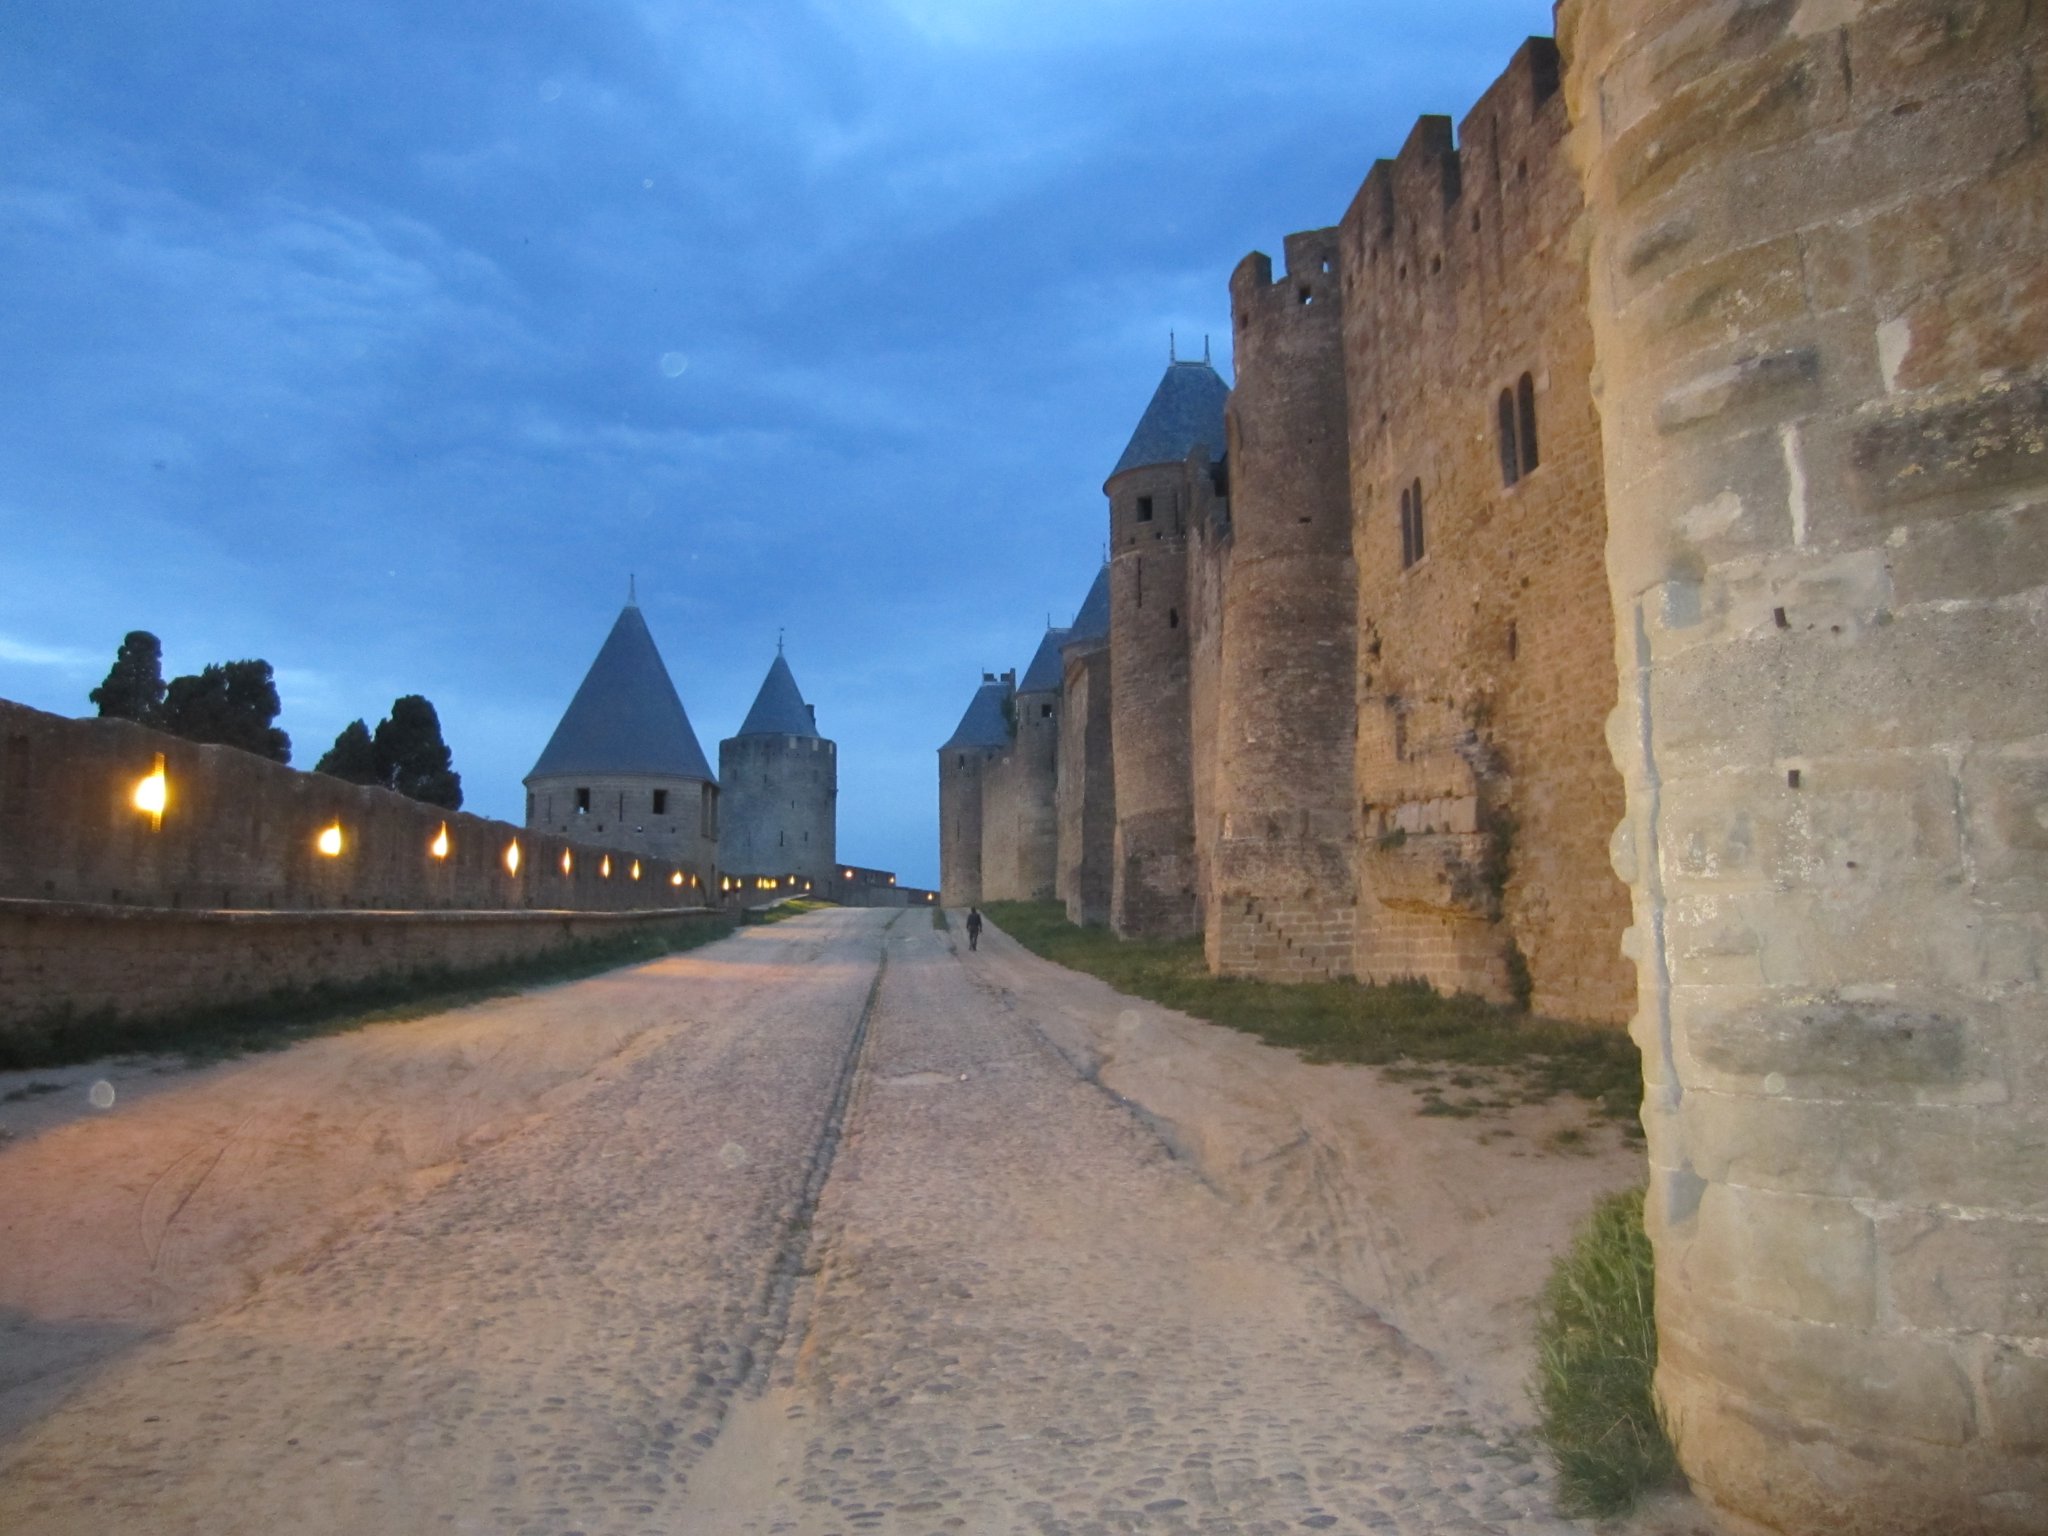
(1596, 1359)
(1464, 1055)
(282, 1018)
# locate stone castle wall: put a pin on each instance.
(1154, 879)
(778, 806)
(1282, 902)
(1086, 787)
(960, 826)
(239, 832)
(1820, 311)
(1019, 809)
(623, 815)
(1486, 794)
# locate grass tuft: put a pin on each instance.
(783, 911)
(1413, 1031)
(286, 1017)
(1596, 1355)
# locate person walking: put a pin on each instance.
(974, 927)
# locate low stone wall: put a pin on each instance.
(142, 963)
(239, 831)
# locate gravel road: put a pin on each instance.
(845, 1247)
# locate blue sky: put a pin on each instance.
(383, 341)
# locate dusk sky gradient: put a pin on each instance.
(383, 341)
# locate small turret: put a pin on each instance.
(781, 786)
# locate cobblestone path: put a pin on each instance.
(857, 1252)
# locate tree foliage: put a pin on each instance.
(134, 689)
(352, 757)
(231, 705)
(406, 753)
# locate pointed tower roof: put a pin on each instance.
(986, 723)
(1186, 409)
(625, 717)
(779, 709)
(1092, 622)
(1046, 674)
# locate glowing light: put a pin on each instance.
(152, 792)
(439, 846)
(676, 878)
(568, 862)
(849, 874)
(892, 879)
(605, 868)
(512, 857)
(329, 841)
(636, 869)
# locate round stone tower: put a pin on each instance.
(780, 787)
(1284, 899)
(1820, 311)
(980, 740)
(623, 768)
(1154, 877)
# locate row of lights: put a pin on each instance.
(152, 794)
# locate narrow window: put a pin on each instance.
(661, 802)
(1138, 575)
(709, 822)
(1045, 711)
(1421, 544)
(1407, 531)
(582, 802)
(1144, 509)
(1173, 618)
(781, 838)
(1525, 395)
(529, 807)
(1510, 458)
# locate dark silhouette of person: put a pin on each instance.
(974, 927)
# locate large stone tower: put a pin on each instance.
(1086, 792)
(1154, 882)
(1283, 892)
(1019, 810)
(1820, 313)
(623, 768)
(982, 738)
(780, 785)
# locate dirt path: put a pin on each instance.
(822, 1228)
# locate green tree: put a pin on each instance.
(231, 705)
(411, 756)
(352, 757)
(134, 689)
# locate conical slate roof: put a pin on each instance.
(1092, 622)
(1046, 674)
(986, 723)
(779, 709)
(1186, 409)
(625, 717)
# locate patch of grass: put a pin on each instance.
(1407, 1027)
(1596, 1355)
(285, 1017)
(783, 911)
(939, 918)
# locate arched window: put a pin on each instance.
(1525, 397)
(1510, 458)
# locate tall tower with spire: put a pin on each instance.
(781, 786)
(623, 769)
(1154, 879)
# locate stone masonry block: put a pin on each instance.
(1795, 1255)
(1983, 1274)
(1939, 453)
(2015, 1391)
(1885, 1382)
(1964, 1155)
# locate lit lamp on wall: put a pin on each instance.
(605, 868)
(676, 878)
(329, 841)
(152, 792)
(636, 869)
(439, 846)
(568, 862)
(512, 857)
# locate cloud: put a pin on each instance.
(28, 653)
